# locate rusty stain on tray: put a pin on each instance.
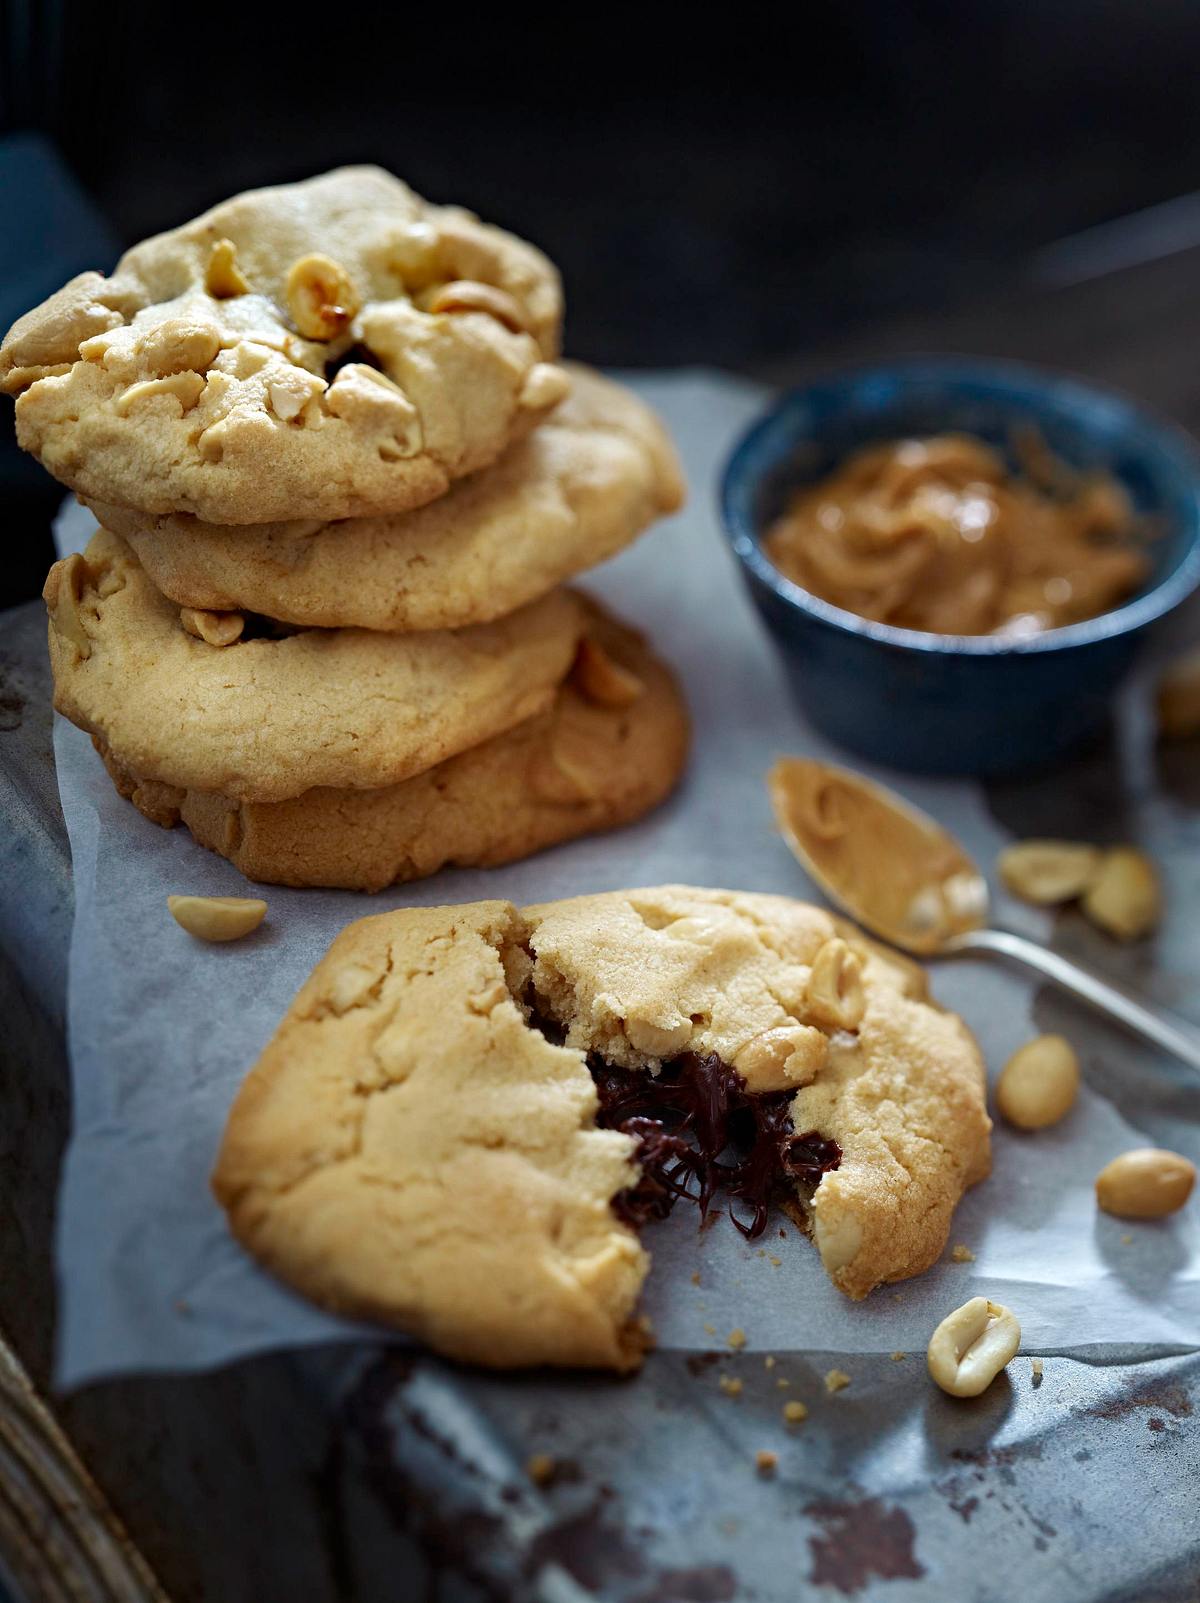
(863, 1539)
(1167, 1397)
(706, 1583)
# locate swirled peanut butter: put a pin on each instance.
(938, 534)
(895, 870)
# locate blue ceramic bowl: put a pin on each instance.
(959, 704)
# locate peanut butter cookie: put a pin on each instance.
(468, 1111)
(572, 494)
(329, 349)
(610, 747)
(219, 702)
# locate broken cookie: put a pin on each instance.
(468, 1112)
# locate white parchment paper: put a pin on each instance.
(163, 1028)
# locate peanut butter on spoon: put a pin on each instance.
(906, 879)
(889, 866)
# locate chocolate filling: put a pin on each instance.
(699, 1130)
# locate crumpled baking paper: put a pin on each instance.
(163, 1028)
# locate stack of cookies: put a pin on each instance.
(341, 479)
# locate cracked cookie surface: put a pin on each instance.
(415, 1146)
(572, 494)
(266, 718)
(328, 349)
(575, 769)
(408, 1150)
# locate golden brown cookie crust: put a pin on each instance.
(361, 1095)
(408, 1150)
(570, 495)
(576, 769)
(264, 719)
(310, 350)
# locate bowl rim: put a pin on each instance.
(1006, 377)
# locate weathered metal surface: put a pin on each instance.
(1079, 1486)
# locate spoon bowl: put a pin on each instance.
(894, 869)
(899, 874)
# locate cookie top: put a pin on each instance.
(573, 493)
(371, 1140)
(607, 751)
(329, 349)
(267, 716)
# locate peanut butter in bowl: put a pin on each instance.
(939, 534)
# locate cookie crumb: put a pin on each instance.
(769, 1361)
(836, 1380)
(1035, 1365)
(783, 1384)
(540, 1467)
(730, 1385)
(695, 1277)
(183, 1307)
(898, 1358)
(775, 1262)
(1127, 1241)
(736, 1339)
(710, 1330)
(765, 1461)
(794, 1412)
(962, 1254)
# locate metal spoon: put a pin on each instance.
(906, 879)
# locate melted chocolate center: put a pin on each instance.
(699, 1130)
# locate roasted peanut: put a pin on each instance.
(320, 297)
(834, 995)
(180, 345)
(1039, 1083)
(222, 278)
(1124, 898)
(465, 295)
(1179, 698)
(545, 386)
(1147, 1183)
(214, 628)
(369, 399)
(1046, 872)
(566, 770)
(186, 388)
(784, 1058)
(658, 1040)
(598, 678)
(217, 918)
(971, 1346)
(290, 394)
(64, 596)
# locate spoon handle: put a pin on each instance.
(1174, 1036)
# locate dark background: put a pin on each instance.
(718, 186)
